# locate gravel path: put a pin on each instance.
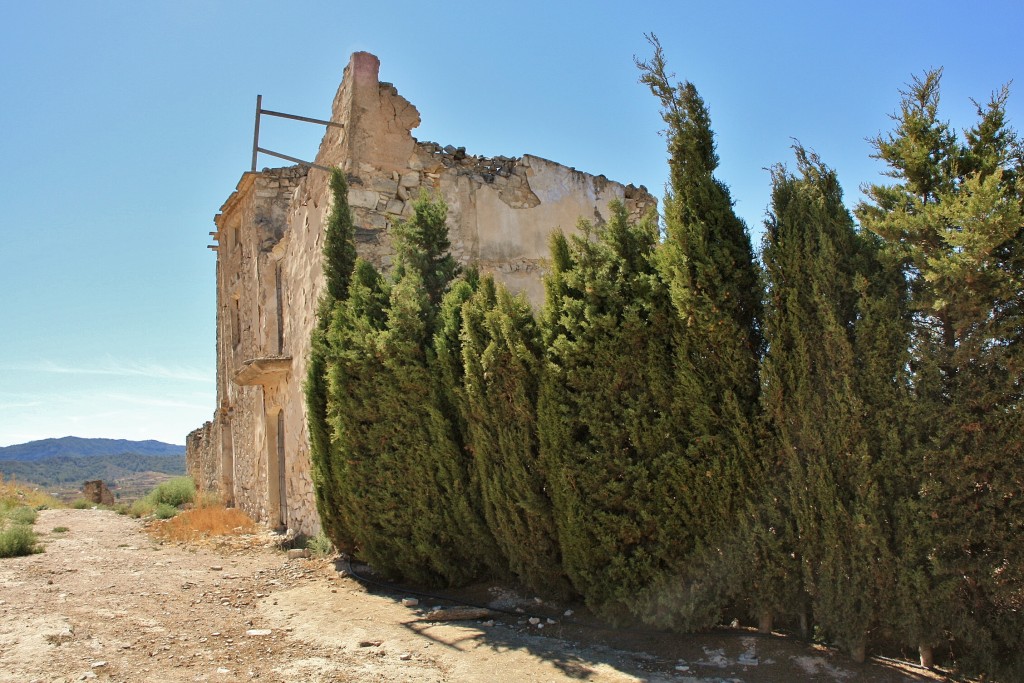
(107, 602)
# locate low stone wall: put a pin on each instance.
(201, 461)
(97, 492)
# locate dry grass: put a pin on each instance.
(13, 494)
(204, 521)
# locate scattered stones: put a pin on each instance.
(259, 632)
(410, 602)
(297, 553)
(98, 665)
(534, 621)
(458, 614)
(405, 656)
(216, 568)
(370, 643)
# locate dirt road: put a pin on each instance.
(107, 602)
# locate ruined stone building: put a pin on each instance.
(269, 242)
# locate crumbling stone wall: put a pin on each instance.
(202, 465)
(269, 236)
(97, 492)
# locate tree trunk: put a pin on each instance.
(927, 656)
(858, 652)
(764, 623)
(805, 625)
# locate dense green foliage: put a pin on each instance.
(396, 464)
(830, 365)
(708, 266)
(174, 492)
(833, 442)
(954, 219)
(17, 540)
(502, 354)
(16, 535)
(606, 433)
(339, 259)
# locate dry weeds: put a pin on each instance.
(204, 521)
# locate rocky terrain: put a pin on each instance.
(108, 602)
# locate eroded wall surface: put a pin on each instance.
(269, 236)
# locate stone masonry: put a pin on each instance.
(502, 210)
(97, 492)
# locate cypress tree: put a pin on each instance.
(339, 257)
(954, 218)
(405, 482)
(603, 419)
(827, 350)
(707, 262)
(502, 357)
(353, 384)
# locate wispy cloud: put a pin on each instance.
(117, 368)
(141, 400)
(16, 405)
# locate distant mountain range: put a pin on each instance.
(59, 463)
(76, 447)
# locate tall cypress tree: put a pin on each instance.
(339, 257)
(827, 351)
(502, 357)
(708, 264)
(954, 218)
(603, 419)
(405, 480)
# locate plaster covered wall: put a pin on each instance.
(269, 237)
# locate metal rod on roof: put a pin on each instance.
(302, 118)
(291, 159)
(256, 131)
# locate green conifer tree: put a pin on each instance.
(339, 257)
(502, 357)
(604, 425)
(827, 351)
(954, 218)
(405, 487)
(708, 265)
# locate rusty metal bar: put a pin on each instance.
(256, 131)
(261, 150)
(302, 118)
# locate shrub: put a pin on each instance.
(81, 504)
(164, 511)
(319, 545)
(22, 515)
(60, 529)
(173, 492)
(17, 540)
(141, 508)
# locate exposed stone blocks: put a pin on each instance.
(97, 492)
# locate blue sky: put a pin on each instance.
(125, 125)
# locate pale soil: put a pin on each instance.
(106, 601)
